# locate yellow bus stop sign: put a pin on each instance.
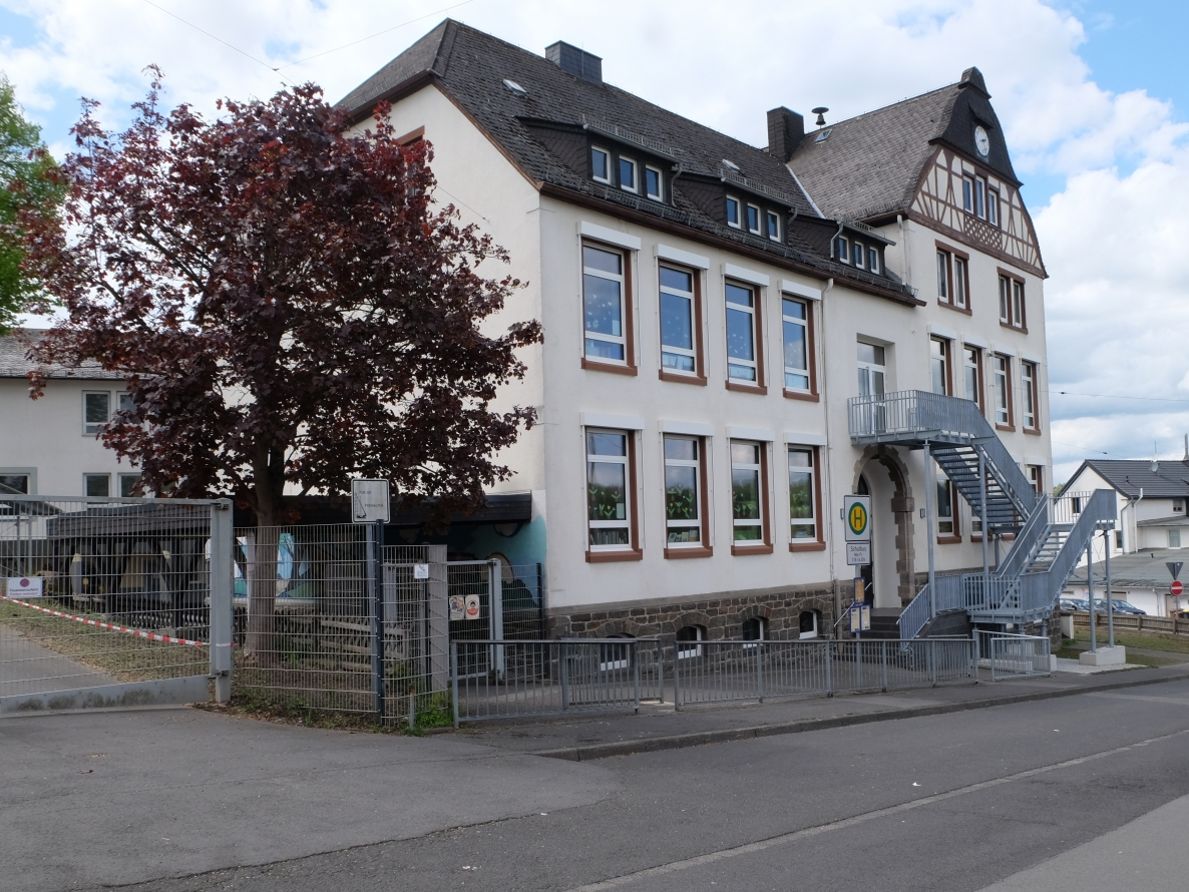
(857, 514)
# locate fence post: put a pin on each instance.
(564, 667)
(221, 610)
(760, 669)
(676, 679)
(375, 590)
(454, 679)
(495, 586)
(828, 647)
(932, 657)
(883, 664)
(636, 674)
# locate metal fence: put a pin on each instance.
(1014, 656)
(109, 601)
(552, 677)
(719, 671)
(330, 620)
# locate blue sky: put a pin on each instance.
(1091, 94)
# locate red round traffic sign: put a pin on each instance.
(1175, 588)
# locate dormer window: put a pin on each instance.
(858, 253)
(873, 263)
(654, 183)
(753, 219)
(733, 212)
(842, 249)
(774, 226)
(600, 165)
(627, 175)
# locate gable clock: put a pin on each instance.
(982, 140)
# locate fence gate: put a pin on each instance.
(107, 602)
(476, 614)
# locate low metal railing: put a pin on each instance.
(723, 671)
(1010, 655)
(553, 677)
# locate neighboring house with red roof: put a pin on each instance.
(50, 446)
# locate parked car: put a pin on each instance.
(1120, 606)
(1071, 605)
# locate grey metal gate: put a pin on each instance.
(475, 601)
(1015, 656)
(110, 602)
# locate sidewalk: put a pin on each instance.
(659, 726)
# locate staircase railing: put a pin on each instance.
(911, 413)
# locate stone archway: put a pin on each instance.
(893, 573)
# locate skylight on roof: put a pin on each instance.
(823, 136)
(515, 87)
(726, 162)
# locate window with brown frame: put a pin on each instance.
(682, 357)
(607, 309)
(1001, 403)
(1012, 305)
(687, 514)
(611, 510)
(749, 498)
(940, 366)
(800, 374)
(745, 342)
(1029, 393)
(953, 279)
(972, 376)
(805, 498)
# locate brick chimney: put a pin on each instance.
(577, 62)
(786, 129)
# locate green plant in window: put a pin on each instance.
(605, 502)
(679, 503)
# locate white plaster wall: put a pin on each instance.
(46, 435)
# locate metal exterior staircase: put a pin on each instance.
(1050, 536)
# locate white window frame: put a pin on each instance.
(812, 633)
(1001, 388)
(106, 478)
(803, 324)
(697, 521)
(993, 199)
(773, 221)
(624, 461)
(121, 479)
(1028, 394)
(960, 299)
(630, 162)
(762, 623)
(754, 230)
(858, 254)
(1174, 537)
(1004, 300)
(969, 352)
(685, 653)
(1019, 318)
(762, 497)
(92, 428)
(754, 362)
(607, 155)
(946, 362)
(30, 475)
(945, 275)
(659, 194)
(842, 247)
(692, 296)
(945, 500)
(814, 520)
(873, 264)
(621, 280)
(736, 223)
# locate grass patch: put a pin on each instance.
(120, 656)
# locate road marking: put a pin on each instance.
(845, 823)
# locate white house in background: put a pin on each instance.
(1141, 578)
(1152, 498)
(49, 446)
(725, 327)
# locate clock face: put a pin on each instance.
(982, 141)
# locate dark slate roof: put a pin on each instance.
(471, 66)
(1143, 569)
(15, 363)
(870, 166)
(1170, 480)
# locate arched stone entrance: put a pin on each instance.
(890, 578)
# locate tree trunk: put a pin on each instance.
(260, 644)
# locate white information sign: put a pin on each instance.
(369, 501)
(421, 571)
(860, 618)
(858, 553)
(23, 587)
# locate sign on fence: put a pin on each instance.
(369, 501)
(23, 587)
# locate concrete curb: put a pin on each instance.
(593, 751)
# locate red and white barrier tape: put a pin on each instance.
(114, 627)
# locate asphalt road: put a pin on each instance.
(1083, 792)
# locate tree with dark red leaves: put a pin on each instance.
(290, 307)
